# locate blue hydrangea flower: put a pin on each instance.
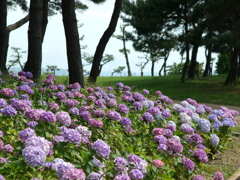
(204, 125)
(214, 139)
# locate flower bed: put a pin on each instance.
(55, 132)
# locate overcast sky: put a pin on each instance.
(95, 20)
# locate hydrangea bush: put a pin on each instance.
(52, 131)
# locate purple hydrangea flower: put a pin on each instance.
(217, 124)
(74, 111)
(137, 105)
(114, 115)
(20, 105)
(53, 106)
(72, 136)
(33, 114)
(136, 174)
(3, 161)
(122, 177)
(168, 133)
(3, 102)
(138, 97)
(188, 163)
(218, 176)
(198, 177)
(99, 103)
(48, 116)
(109, 89)
(175, 145)
(95, 176)
(32, 124)
(123, 108)
(121, 164)
(95, 123)
(145, 91)
(8, 148)
(197, 139)
(102, 149)
(201, 155)
(153, 110)
(218, 112)
(160, 139)
(26, 133)
(200, 146)
(61, 168)
(74, 173)
(228, 122)
(166, 113)
(34, 156)
(125, 121)
(7, 92)
(9, 111)
(213, 117)
(147, 117)
(98, 163)
(60, 95)
(63, 118)
(40, 142)
(186, 128)
(24, 96)
(83, 130)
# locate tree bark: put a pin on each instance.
(45, 18)
(232, 74)
(208, 62)
(34, 61)
(125, 53)
(75, 67)
(152, 68)
(103, 42)
(4, 35)
(185, 67)
(193, 65)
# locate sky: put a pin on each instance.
(95, 21)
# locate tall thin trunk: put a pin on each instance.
(152, 68)
(185, 67)
(164, 64)
(232, 74)
(103, 42)
(125, 53)
(4, 35)
(75, 67)
(34, 61)
(193, 65)
(208, 69)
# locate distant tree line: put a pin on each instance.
(185, 25)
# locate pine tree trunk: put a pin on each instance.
(152, 68)
(193, 65)
(125, 53)
(34, 61)
(45, 18)
(75, 67)
(232, 74)
(208, 62)
(103, 42)
(4, 36)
